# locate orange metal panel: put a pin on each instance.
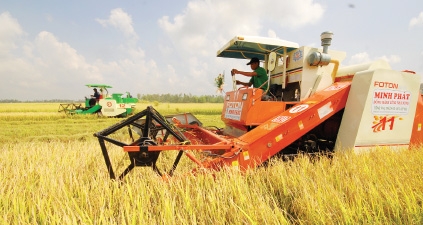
(131, 148)
(245, 108)
(188, 147)
(417, 132)
(152, 148)
(284, 128)
(202, 135)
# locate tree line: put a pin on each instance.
(181, 98)
(39, 101)
(170, 98)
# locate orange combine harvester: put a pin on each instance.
(316, 106)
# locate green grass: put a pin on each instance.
(53, 172)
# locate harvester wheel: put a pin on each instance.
(144, 157)
(147, 124)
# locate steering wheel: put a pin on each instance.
(246, 87)
(233, 81)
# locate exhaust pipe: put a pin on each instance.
(322, 58)
(326, 38)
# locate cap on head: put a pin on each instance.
(253, 60)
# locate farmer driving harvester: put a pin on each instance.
(258, 76)
(94, 98)
(96, 94)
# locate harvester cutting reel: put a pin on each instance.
(155, 133)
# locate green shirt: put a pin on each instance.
(260, 78)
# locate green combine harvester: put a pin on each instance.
(113, 105)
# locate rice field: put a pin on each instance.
(52, 172)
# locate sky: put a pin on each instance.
(52, 49)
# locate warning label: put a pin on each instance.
(281, 119)
(233, 110)
(298, 108)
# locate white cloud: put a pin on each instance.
(44, 68)
(10, 30)
(172, 77)
(391, 58)
(364, 57)
(272, 34)
(165, 50)
(416, 21)
(205, 25)
(136, 53)
(58, 54)
(291, 14)
(358, 58)
(197, 68)
(120, 20)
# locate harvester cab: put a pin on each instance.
(91, 101)
(316, 107)
(111, 105)
(291, 77)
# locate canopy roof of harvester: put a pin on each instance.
(103, 86)
(247, 47)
